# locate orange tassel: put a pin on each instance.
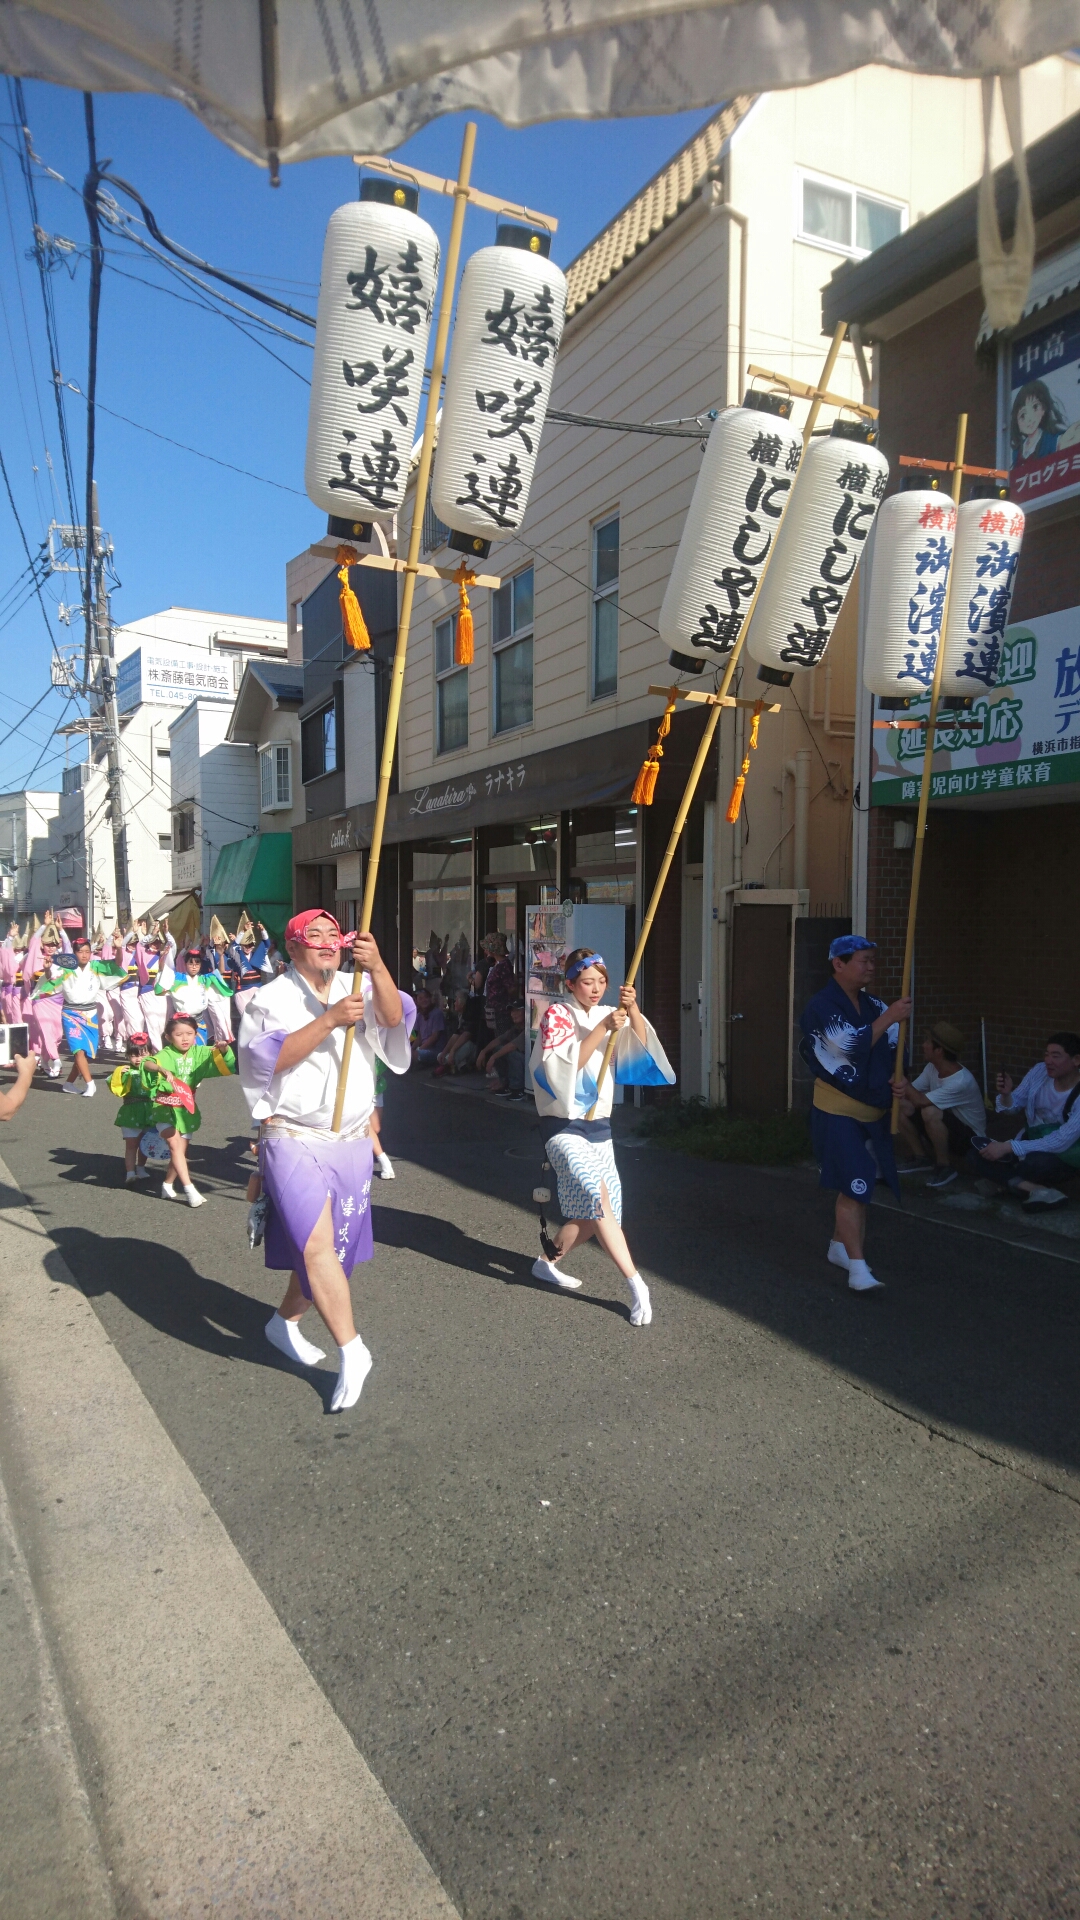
(645, 784)
(353, 624)
(735, 803)
(463, 631)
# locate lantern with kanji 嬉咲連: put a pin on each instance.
(989, 532)
(841, 483)
(379, 270)
(509, 321)
(742, 489)
(909, 573)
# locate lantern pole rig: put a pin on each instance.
(462, 194)
(957, 468)
(818, 397)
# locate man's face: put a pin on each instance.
(517, 1015)
(1058, 1062)
(315, 954)
(855, 971)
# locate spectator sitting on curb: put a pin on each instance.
(1049, 1096)
(504, 1057)
(460, 1051)
(942, 1109)
(499, 984)
(429, 1034)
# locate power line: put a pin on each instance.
(184, 448)
(26, 549)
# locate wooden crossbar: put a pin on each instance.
(436, 184)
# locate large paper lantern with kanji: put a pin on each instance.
(909, 572)
(841, 483)
(509, 322)
(989, 533)
(742, 489)
(379, 268)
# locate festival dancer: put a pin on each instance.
(82, 984)
(10, 969)
(153, 956)
(248, 962)
(318, 1182)
(114, 1013)
(850, 1043)
(43, 1010)
(136, 1115)
(171, 1076)
(565, 1061)
(193, 992)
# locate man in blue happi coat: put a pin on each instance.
(850, 1040)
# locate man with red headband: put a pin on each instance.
(317, 1181)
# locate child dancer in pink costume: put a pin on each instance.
(10, 993)
(44, 1016)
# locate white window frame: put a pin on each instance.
(442, 676)
(513, 638)
(608, 592)
(853, 189)
(275, 804)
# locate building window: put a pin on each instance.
(605, 609)
(451, 693)
(512, 652)
(164, 841)
(319, 742)
(829, 213)
(183, 839)
(275, 776)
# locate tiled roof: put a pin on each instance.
(649, 211)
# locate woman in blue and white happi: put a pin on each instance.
(565, 1064)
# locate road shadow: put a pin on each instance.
(161, 1287)
(446, 1243)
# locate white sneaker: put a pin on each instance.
(383, 1167)
(194, 1198)
(89, 1090)
(555, 1277)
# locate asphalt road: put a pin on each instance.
(768, 1608)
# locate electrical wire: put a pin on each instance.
(197, 451)
(671, 432)
(26, 549)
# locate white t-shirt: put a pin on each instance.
(958, 1092)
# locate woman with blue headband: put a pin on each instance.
(565, 1064)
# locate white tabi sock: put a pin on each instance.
(860, 1279)
(168, 1191)
(641, 1306)
(286, 1336)
(193, 1197)
(355, 1367)
(838, 1254)
(555, 1277)
(383, 1167)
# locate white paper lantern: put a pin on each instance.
(841, 482)
(988, 538)
(742, 489)
(509, 322)
(913, 548)
(379, 269)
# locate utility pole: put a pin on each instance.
(106, 680)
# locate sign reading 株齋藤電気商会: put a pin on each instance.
(171, 679)
(1019, 738)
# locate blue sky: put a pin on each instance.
(188, 532)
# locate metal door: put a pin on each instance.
(760, 1016)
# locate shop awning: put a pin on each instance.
(184, 912)
(169, 904)
(256, 874)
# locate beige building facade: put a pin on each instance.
(514, 773)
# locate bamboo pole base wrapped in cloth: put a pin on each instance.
(303, 1162)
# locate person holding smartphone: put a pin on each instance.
(11, 1098)
(1048, 1151)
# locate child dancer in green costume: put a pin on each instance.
(136, 1106)
(172, 1076)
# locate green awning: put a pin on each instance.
(256, 874)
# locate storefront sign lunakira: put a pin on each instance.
(452, 798)
(1018, 739)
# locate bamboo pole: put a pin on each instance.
(924, 788)
(711, 724)
(397, 678)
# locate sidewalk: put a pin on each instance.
(163, 1745)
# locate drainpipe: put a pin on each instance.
(712, 195)
(799, 769)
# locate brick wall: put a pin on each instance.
(999, 924)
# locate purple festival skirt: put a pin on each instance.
(297, 1178)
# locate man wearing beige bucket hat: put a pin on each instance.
(942, 1109)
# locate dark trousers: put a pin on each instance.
(1045, 1169)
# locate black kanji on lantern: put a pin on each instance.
(525, 331)
(765, 448)
(750, 534)
(390, 295)
(855, 477)
(769, 493)
(514, 410)
(717, 630)
(504, 487)
(385, 385)
(379, 470)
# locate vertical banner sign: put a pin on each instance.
(1044, 414)
(379, 269)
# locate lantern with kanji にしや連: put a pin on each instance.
(989, 533)
(509, 322)
(909, 572)
(742, 489)
(841, 483)
(379, 271)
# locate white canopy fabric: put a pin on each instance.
(284, 80)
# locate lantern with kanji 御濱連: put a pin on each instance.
(509, 321)
(379, 270)
(989, 532)
(841, 483)
(909, 573)
(742, 489)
